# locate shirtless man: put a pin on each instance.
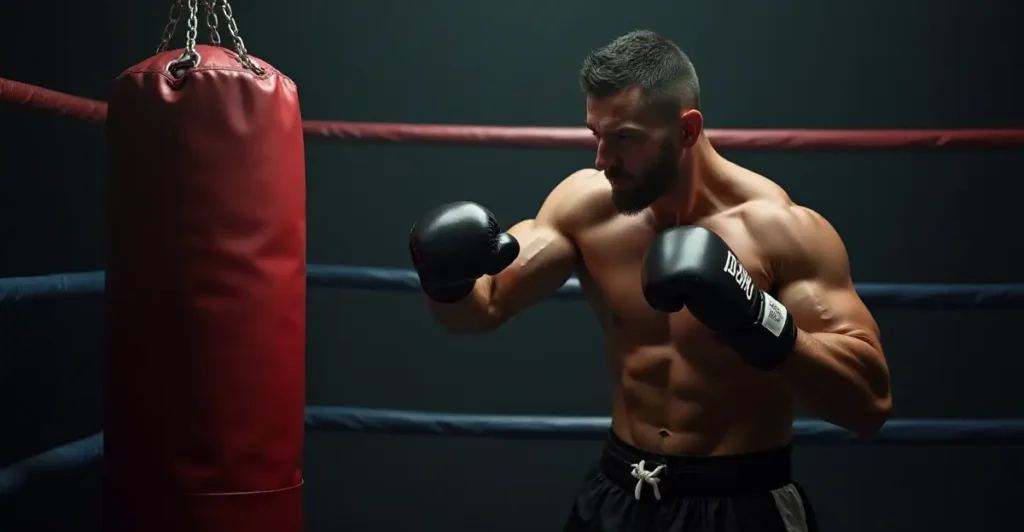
(726, 308)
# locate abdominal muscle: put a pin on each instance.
(676, 387)
(699, 401)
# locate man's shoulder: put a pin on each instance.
(792, 235)
(780, 216)
(586, 185)
(581, 199)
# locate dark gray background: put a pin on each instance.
(906, 216)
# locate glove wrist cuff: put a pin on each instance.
(767, 342)
(448, 292)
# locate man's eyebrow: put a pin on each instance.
(628, 128)
(619, 128)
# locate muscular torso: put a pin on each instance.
(676, 388)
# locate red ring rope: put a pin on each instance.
(560, 137)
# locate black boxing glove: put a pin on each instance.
(694, 267)
(455, 244)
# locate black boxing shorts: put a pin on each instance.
(631, 490)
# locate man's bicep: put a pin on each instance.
(821, 306)
(547, 253)
(545, 262)
(815, 282)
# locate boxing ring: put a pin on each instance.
(91, 284)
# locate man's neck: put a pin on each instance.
(701, 174)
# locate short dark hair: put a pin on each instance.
(647, 60)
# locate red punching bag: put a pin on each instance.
(206, 296)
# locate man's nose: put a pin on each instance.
(603, 160)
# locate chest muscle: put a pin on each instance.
(613, 256)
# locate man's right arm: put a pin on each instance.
(547, 258)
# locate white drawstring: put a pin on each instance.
(650, 477)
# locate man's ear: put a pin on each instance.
(691, 123)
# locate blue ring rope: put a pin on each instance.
(891, 295)
(89, 450)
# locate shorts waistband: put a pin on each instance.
(721, 475)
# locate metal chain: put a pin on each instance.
(193, 28)
(171, 27)
(211, 21)
(243, 54)
(190, 57)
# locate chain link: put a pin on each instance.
(243, 54)
(190, 57)
(171, 27)
(193, 28)
(211, 21)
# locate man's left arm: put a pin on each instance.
(836, 369)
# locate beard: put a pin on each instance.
(648, 186)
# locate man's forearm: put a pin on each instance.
(840, 378)
(473, 314)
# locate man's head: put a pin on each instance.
(642, 105)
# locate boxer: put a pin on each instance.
(726, 308)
